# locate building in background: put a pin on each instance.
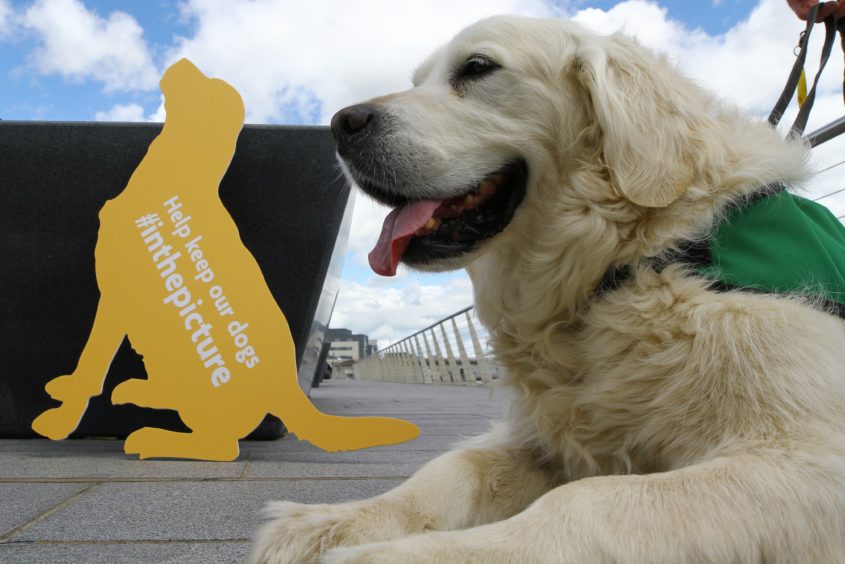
(345, 348)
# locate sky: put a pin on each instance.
(297, 62)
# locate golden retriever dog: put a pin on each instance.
(654, 420)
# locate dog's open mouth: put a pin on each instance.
(422, 231)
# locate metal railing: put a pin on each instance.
(447, 352)
(826, 133)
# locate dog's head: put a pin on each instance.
(498, 122)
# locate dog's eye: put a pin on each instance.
(474, 68)
(477, 65)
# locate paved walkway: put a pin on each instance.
(86, 502)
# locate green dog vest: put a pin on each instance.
(776, 243)
(780, 243)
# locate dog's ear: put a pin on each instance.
(650, 130)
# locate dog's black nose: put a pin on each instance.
(350, 122)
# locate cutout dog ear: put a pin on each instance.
(651, 133)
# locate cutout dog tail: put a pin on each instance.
(335, 433)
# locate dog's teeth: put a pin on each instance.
(432, 223)
(469, 201)
(430, 227)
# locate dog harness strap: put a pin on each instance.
(797, 68)
(840, 24)
(804, 113)
(782, 244)
(797, 72)
(612, 280)
(773, 242)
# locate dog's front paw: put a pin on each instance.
(490, 544)
(302, 533)
(376, 553)
(434, 548)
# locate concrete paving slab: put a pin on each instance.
(98, 460)
(334, 470)
(357, 464)
(388, 398)
(161, 511)
(24, 502)
(218, 552)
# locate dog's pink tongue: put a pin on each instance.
(399, 226)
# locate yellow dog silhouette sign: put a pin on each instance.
(176, 279)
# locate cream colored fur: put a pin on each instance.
(662, 422)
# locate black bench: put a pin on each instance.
(283, 190)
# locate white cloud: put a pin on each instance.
(392, 313)
(79, 44)
(827, 181)
(131, 112)
(5, 18)
(367, 219)
(159, 114)
(746, 66)
(122, 112)
(304, 60)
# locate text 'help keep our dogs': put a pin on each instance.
(165, 258)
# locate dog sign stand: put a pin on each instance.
(176, 279)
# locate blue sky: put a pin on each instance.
(713, 17)
(297, 62)
(26, 94)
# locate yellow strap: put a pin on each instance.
(802, 88)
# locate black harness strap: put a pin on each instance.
(797, 68)
(831, 24)
(696, 253)
(804, 113)
(693, 252)
(840, 24)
